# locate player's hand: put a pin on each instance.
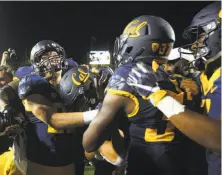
(190, 86)
(104, 74)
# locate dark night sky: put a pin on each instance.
(71, 24)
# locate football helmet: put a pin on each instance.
(50, 64)
(204, 33)
(145, 38)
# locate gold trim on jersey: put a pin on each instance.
(207, 104)
(128, 95)
(152, 136)
(208, 87)
(220, 14)
(208, 84)
(15, 78)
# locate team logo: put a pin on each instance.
(133, 28)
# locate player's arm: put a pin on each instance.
(71, 119)
(98, 128)
(45, 111)
(198, 127)
(41, 107)
(202, 129)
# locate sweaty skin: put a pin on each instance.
(202, 129)
(98, 128)
(45, 111)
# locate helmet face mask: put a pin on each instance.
(47, 58)
(204, 34)
(118, 48)
(195, 62)
(199, 36)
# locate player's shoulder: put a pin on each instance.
(33, 84)
(119, 77)
(23, 71)
(72, 64)
(123, 70)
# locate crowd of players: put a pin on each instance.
(156, 110)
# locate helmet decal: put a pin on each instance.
(133, 31)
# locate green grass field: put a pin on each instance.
(89, 170)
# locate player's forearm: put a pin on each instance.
(102, 125)
(95, 135)
(42, 112)
(72, 119)
(203, 130)
(67, 120)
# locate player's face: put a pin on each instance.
(50, 59)
(50, 63)
(199, 42)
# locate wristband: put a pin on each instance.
(89, 116)
(169, 106)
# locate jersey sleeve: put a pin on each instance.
(23, 71)
(117, 83)
(33, 84)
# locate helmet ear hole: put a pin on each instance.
(65, 64)
(129, 49)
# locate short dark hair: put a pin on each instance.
(7, 70)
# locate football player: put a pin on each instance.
(184, 75)
(153, 147)
(73, 88)
(205, 29)
(55, 149)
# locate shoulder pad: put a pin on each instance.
(72, 64)
(119, 77)
(23, 71)
(33, 84)
(68, 89)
